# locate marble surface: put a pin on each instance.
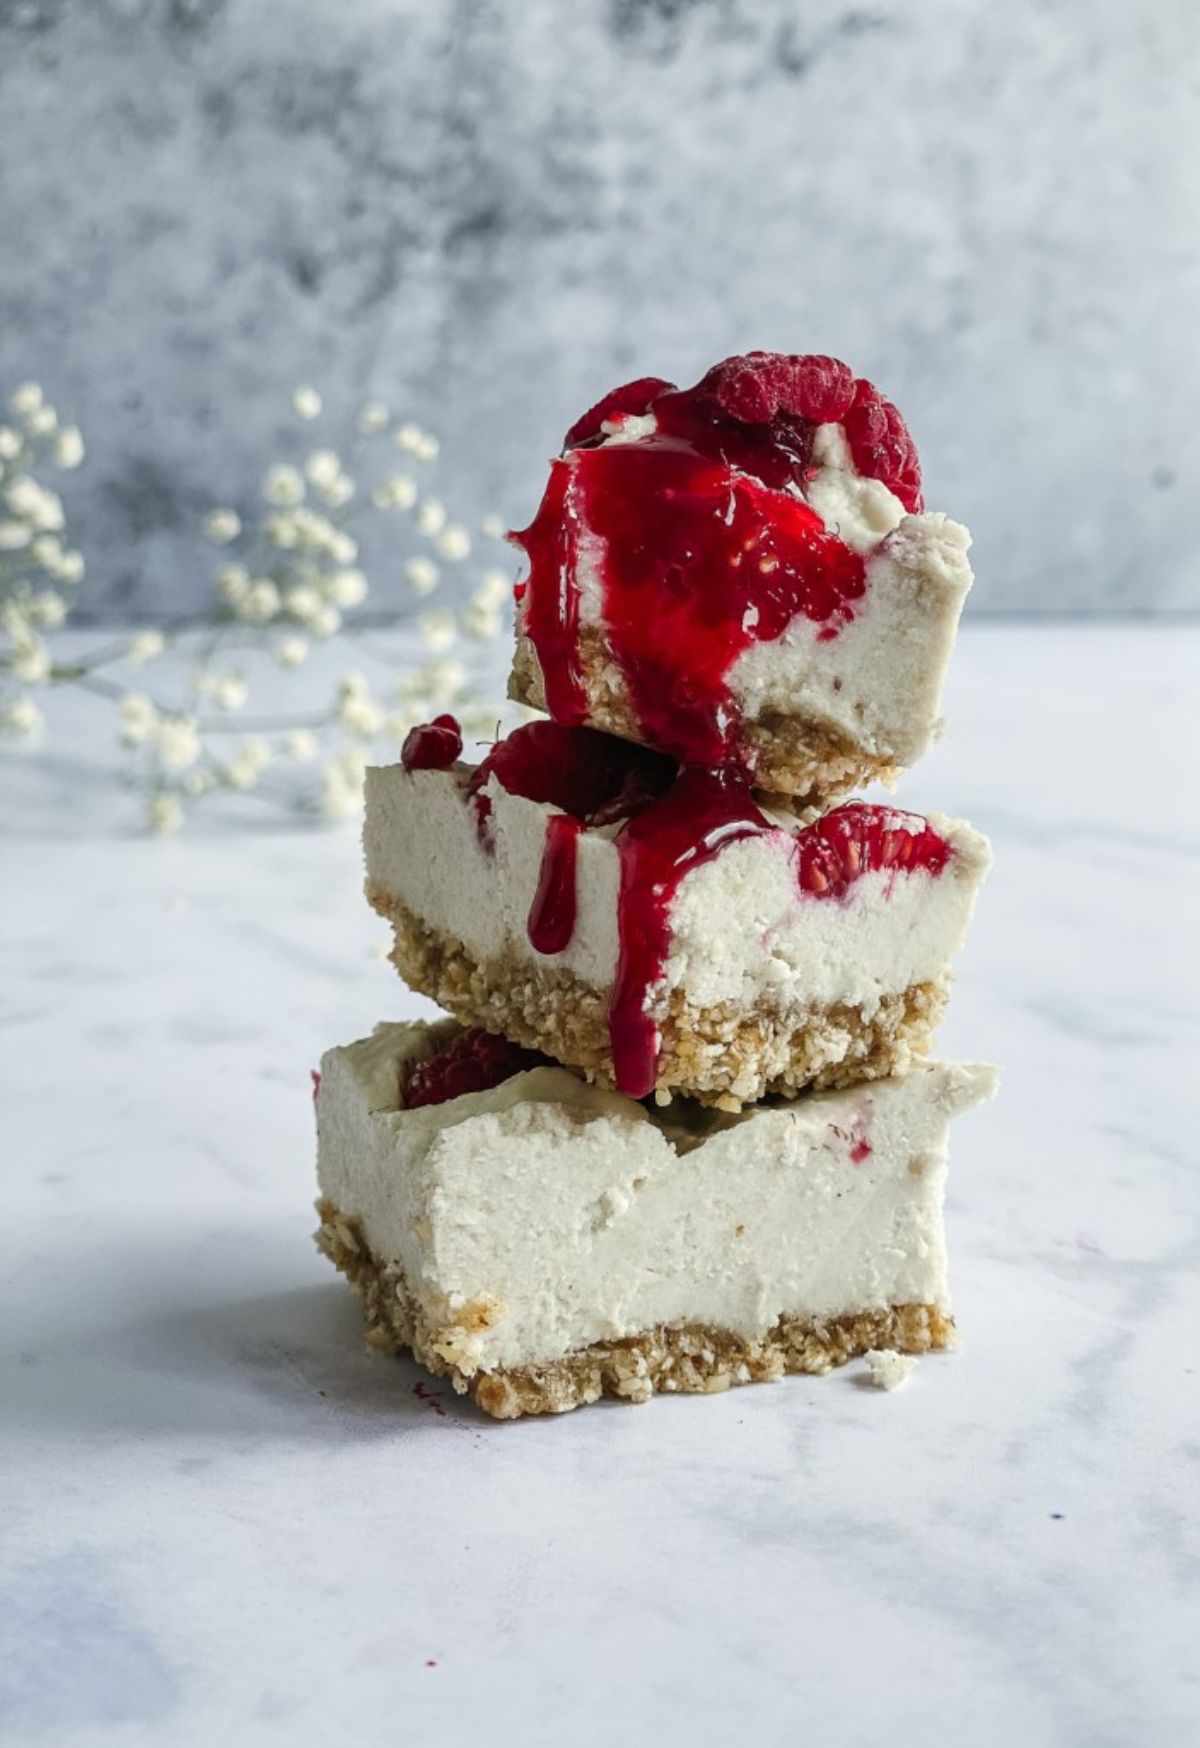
(489, 212)
(224, 1521)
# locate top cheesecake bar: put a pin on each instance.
(743, 574)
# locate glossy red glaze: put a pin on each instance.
(552, 913)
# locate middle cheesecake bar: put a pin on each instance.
(655, 926)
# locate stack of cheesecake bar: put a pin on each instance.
(682, 1130)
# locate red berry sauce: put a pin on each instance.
(671, 821)
(702, 813)
(473, 1061)
(701, 537)
(432, 746)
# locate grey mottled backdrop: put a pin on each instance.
(486, 211)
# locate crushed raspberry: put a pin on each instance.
(432, 746)
(859, 839)
(619, 403)
(593, 776)
(473, 1061)
(316, 1083)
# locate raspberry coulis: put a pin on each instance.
(671, 821)
(701, 538)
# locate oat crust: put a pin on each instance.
(722, 1054)
(799, 760)
(687, 1358)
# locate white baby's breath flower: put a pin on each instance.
(303, 601)
(494, 589)
(454, 542)
(397, 493)
(342, 784)
(408, 436)
(431, 517)
(362, 716)
(35, 505)
(177, 742)
(14, 536)
(482, 622)
(68, 448)
(301, 744)
(373, 417)
(30, 661)
(42, 423)
(283, 485)
(145, 646)
(326, 621)
(347, 588)
(198, 783)
(26, 399)
(47, 609)
(229, 691)
(342, 547)
(438, 631)
(284, 530)
(260, 603)
(306, 402)
(323, 467)
(21, 718)
(244, 770)
(222, 526)
(292, 651)
(338, 493)
(422, 575)
(164, 814)
(444, 680)
(47, 550)
(70, 568)
(138, 718)
(427, 448)
(493, 527)
(233, 580)
(10, 443)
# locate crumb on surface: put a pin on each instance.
(887, 1369)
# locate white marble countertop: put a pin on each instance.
(223, 1521)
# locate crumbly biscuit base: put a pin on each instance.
(800, 762)
(725, 1055)
(687, 1358)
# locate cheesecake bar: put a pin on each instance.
(655, 927)
(542, 1241)
(742, 572)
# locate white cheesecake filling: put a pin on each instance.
(568, 1215)
(742, 930)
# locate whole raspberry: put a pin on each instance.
(432, 746)
(757, 386)
(473, 1061)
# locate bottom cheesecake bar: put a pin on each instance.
(544, 1242)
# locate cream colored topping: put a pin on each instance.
(544, 1215)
